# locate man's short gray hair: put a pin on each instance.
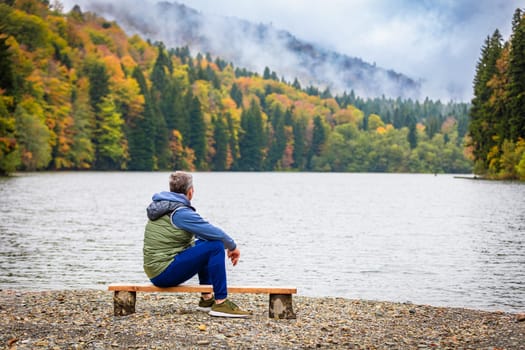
(180, 182)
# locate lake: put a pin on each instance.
(423, 239)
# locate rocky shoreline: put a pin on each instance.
(84, 320)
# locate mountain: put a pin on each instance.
(256, 46)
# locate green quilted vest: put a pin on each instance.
(162, 241)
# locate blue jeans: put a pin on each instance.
(206, 259)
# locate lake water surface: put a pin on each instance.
(425, 239)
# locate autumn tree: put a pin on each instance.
(110, 144)
(33, 135)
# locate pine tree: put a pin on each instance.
(7, 78)
(160, 80)
(482, 121)
(252, 139)
(299, 149)
(319, 136)
(98, 83)
(277, 141)
(236, 95)
(220, 136)
(197, 135)
(9, 156)
(141, 145)
(517, 77)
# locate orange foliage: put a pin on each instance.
(448, 125)
(279, 100)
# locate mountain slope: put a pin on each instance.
(256, 46)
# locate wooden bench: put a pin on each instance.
(126, 294)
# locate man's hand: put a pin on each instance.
(234, 256)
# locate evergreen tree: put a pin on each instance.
(197, 135)
(318, 139)
(252, 139)
(517, 77)
(266, 74)
(277, 141)
(481, 126)
(98, 83)
(160, 93)
(220, 135)
(412, 135)
(9, 156)
(140, 131)
(236, 95)
(7, 78)
(299, 149)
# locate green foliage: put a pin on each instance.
(32, 135)
(251, 142)
(7, 79)
(28, 29)
(9, 157)
(139, 131)
(497, 125)
(98, 76)
(110, 144)
(221, 137)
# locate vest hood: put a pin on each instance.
(165, 203)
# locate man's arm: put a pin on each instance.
(189, 220)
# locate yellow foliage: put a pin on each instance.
(278, 100)
(349, 115)
(129, 63)
(374, 122)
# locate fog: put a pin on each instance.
(436, 43)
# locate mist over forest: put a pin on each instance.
(256, 46)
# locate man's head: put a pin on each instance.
(181, 182)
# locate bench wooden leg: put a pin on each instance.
(281, 306)
(124, 302)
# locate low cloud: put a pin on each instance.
(437, 42)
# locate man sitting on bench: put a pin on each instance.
(173, 256)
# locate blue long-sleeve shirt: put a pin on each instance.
(186, 218)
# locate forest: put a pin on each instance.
(497, 127)
(77, 93)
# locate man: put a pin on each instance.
(172, 255)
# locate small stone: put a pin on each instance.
(520, 317)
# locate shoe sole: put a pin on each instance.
(225, 314)
(203, 309)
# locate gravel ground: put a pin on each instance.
(84, 320)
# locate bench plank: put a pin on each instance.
(280, 306)
(187, 288)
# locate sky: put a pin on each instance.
(435, 41)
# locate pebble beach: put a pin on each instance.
(84, 320)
